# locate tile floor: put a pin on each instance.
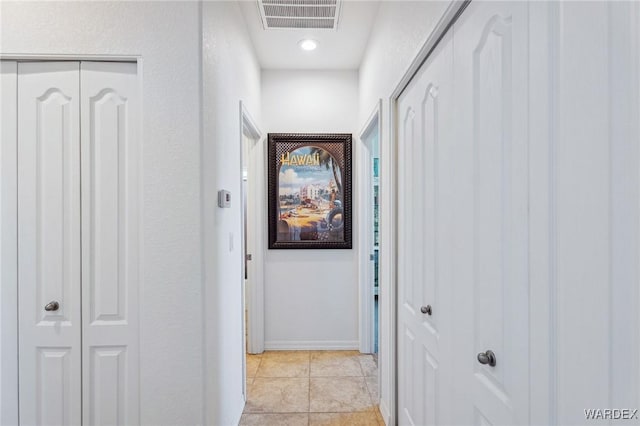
(312, 388)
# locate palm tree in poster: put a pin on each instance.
(328, 161)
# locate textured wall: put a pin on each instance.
(399, 31)
(230, 73)
(311, 296)
(167, 37)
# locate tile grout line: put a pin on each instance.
(357, 357)
(309, 396)
(366, 385)
(255, 376)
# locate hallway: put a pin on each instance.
(175, 173)
(296, 388)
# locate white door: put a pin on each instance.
(536, 204)
(78, 243)
(463, 226)
(491, 273)
(110, 241)
(424, 316)
(49, 243)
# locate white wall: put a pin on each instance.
(166, 35)
(230, 73)
(399, 31)
(311, 296)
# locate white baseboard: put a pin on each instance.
(238, 415)
(311, 345)
(384, 411)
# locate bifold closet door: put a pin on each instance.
(110, 243)
(424, 245)
(49, 243)
(463, 226)
(491, 278)
(78, 243)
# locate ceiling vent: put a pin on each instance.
(300, 14)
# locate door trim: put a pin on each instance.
(255, 268)
(9, 248)
(366, 312)
(9, 404)
(389, 179)
(46, 57)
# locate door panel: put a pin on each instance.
(49, 243)
(423, 246)
(427, 154)
(53, 373)
(110, 242)
(492, 273)
(108, 393)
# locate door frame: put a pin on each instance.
(9, 354)
(9, 410)
(255, 268)
(389, 176)
(366, 312)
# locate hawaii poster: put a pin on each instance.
(309, 190)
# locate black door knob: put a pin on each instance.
(487, 357)
(52, 306)
(426, 310)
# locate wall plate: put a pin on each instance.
(224, 198)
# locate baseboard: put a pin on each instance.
(309, 345)
(384, 411)
(238, 415)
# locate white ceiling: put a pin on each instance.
(337, 49)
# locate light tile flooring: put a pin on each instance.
(312, 388)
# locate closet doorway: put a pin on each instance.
(77, 243)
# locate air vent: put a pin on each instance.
(300, 14)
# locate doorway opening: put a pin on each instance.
(252, 196)
(369, 232)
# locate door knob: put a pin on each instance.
(52, 306)
(426, 310)
(487, 357)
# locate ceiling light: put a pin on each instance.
(307, 44)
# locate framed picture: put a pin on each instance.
(309, 191)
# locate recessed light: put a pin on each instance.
(307, 44)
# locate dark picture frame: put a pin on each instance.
(309, 194)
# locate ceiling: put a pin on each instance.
(337, 49)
